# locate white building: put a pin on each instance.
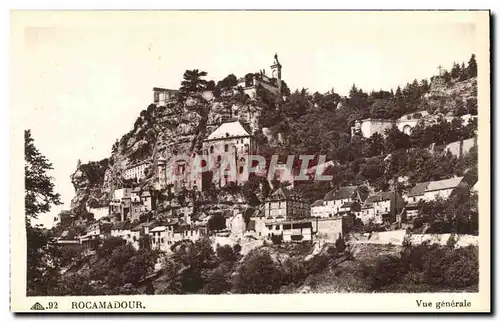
(382, 207)
(229, 144)
(162, 96)
(136, 171)
(320, 209)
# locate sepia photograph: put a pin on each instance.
(243, 153)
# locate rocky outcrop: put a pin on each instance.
(178, 128)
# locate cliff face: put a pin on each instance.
(451, 99)
(180, 127)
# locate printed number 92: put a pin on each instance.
(52, 305)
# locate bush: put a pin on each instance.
(387, 270)
(258, 274)
(462, 267)
(340, 244)
(294, 272)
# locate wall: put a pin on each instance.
(306, 234)
(121, 193)
(321, 211)
(458, 149)
(99, 212)
(328, 228)
(442, 239)
(237, 225)
(369, 127)
(238, 149)
(366, 214)
(402, 124)
(432, 195)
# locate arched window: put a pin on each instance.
(212, 149)
(241, 169)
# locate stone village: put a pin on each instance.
(284, 215)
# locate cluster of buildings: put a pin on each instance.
(367, 127)
(283, 215)
(385, 206)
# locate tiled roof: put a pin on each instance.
(381, 196)
(341, 193)
(418, 190)
(227, 130)
(120, 225)
(317, 203)
(347, 204)
(159, 228)
(444, 184)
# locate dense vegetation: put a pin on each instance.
(425, 268)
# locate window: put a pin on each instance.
(226, 147)
(212, 149)
(162, 240)
(386, 209)
(219, 158)
(414, 199)
(241, 169)
(277, 227)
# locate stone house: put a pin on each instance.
(284, 204)
(382, 207)
(335, 199)
(230, 144)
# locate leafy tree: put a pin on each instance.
(396, 140)
(228, 82)
(455, 71)
(43, 262)
(472, 67)
(39, 189)
(216, 222)
(192, 81)
(258, 274)
(375, 145)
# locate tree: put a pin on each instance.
(193, 81)
(375, 145)
(39, 189)
(472, 67)
(258, 274)
(455, 71)
(42, 257)
(216, 222)
(396, 139)
(228, 82)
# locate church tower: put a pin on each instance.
(276, 71)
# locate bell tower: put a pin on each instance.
(276, 71)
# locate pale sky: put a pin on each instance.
(88, 76)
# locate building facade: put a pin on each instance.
(136, 171)
(229, 145)
(285, 205)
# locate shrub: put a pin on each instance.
(294, 272)
(318, 263)
(258, 274)
(387, 270)
(462, 267)
(340, 244)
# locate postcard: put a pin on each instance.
(250, 161)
